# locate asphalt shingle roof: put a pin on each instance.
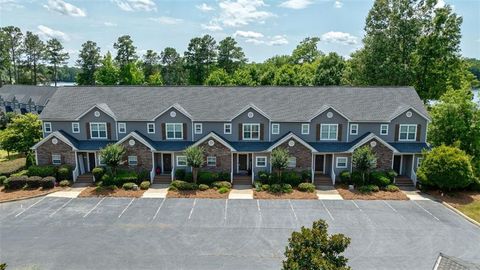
(23, 93)
(223, 103)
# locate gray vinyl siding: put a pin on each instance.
(339, 170)
(243, 118)
(403, 119)
(323, 119)
(287, 127)
(216, 127)
(255, 169)
(373, 128)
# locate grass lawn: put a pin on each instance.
(4, 155)
(10, 166)
(468, 202)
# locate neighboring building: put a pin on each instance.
(445, 262)
(237, 126)
(25, 98)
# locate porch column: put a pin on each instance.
(313, 167)
(152, 173)
(253, 172)
(231, 171)
(333, 169)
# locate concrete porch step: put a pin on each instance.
(162, 179)
(403, 181)
(85, 178)
(242, 180)
(322, 180)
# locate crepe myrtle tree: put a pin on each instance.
(279, 159)
(364, 160)
(112, 156)
(195, 159)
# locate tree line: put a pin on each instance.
(407, 42)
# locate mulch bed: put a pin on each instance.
(120, 192)
(21, 194)
(456, 198)
(206, 194)
(295, 195)
(381, 195)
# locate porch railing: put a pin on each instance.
(75, 174)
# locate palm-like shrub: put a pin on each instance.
(364, 160)
(112, 156)
(195, 159)
(279, 159)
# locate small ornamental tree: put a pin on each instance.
(195, 160)
(364, 160)
(279, 159)
(315, 249)
(447, 168)
(21, 133)
(112, 156)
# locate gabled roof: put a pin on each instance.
(325, 108)
(369, 136)
(404, 108)
(102, 107)
(24, 93)
(59, 135)
(250, 106)
(139, 137)
(288, 137)
(176, 106)
(216, 137)
(445, 262)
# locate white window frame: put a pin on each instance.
(100, 161)
(251, 131)
(211, 161)
(49, 125)
(329, 127)
(132, 161)
(260, 158)
(408, 128)
(56, 157)
(198, 127)
(227, 126)
(277, 127)
(419, 160)
(338, 160)
(178, 161)
(292, 162)
(122, 126)
(75, 127)
(307, 131)
(174, 131)
(384, 127)
(151, 128)
(352, 129)
(98, 123)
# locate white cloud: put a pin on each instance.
(166, 20)
(277, 40)
(64, 8)
(338, 4)
(48, 33)
(248, 34)
(296, 4)
(110, 24)
(211, 26)
(8, 5)
(242, 12)
(136, 5)
(339, 37)
(269, 41)
(204, 7)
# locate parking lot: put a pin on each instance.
(125, 233)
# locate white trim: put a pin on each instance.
(308, 128)
(177, 158)
(291, 136)
(137, 137)
(124, 127)
(419, 159)
(57, 135)
(401, 165)
(98, 107)
(250, 106)
(329, 125)
(45, 127)
(176, 106)
(166, 131)
(231, 167)
(91, 131)
(278, 128)
(325, 108)
(251, 131)
(337, 159)
(384, 125)
(225, 127)
(217, 138)
(149, 125)
(368, 138)
(351, 130)
(195, 125)
(410, 108)
(408, 127)
(77, 124)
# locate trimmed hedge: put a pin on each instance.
(182, 185)
(2, 179)
(42, 171)
(221, 184)
(223, 190)
(392, 188)
(292, 178)
(306, 187)
(34, 182)
(203, 187)
(379, 178)
(64, 183)
(369, 188)
(207, 178)
(145, 185)
(15, 182)
(64, 172)
(98, 173)
(48, 182)
(128, 186)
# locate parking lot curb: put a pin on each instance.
(461, 214)
(26, 198)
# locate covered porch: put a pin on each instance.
(163, 166)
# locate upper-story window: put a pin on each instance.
(211, 161)
(150, 128)
(408, 133)
(227, 128)
(174, 131)
(328, 131)
(75, 127)
(305, 129)
(354, 129)
(384, 129)
(56, 159)
(251, 131)
(292, 162)
(122, 128)
(198, 128)
(132, 161)
(47, 127)
(98, 130)
(275, 128)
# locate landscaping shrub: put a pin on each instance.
(292, 178)
(221, 184)
(263, 176)
(128, 186)
(223, 190)
(98, 172)
(145, 185)
(180, 174)
(287, 188)
(265, 187)
(34, 182)
(203, 187)
(64, 183)
(276, 188)
(42, 171)
(143, 175)
(108, 180)
(48, 182)
(15, 182)
(2, 179)
(64, 172)
(223, 176)
(356, 178)
(306, 175)
(127, 179)
(306, 187)
(188, 177)
(368, 188)
(183, 185)
(391, 174)
(207, 178)
(392, 188)
(346, 177)
(379, 178)
(20, 173)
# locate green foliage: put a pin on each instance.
(182, 185)
(180, 174)
(279, 188)
(203, 187)
(64, 172)
(306, 187)
(48, 182)
(6, 118)
(98, 172)
(279, 158)
(447, 168)
(306, 175)
(30, 160)
(64, 183)
(88, 61)
(230, 56)
(368, 188)
(21, 134)
(173, 71)
(379, 178)
(265, 187)
(313, 248)
(330, 70)
(34, 182)
(263, 176)
(15, 182)
(155, 79)
(391, 188)
(34, 50)
(306, 51)
(292, 178)
(223, 190)
(207, 177)
(108, 72)
(145, 185)
(200, 58)
(364, 160)
(55, 56)
(128, 186)
(391, 174)
(131, 74)
(42, 171)
(284, 76)
(346, 177)
(108, 180)
(218, 77)
(221, 184)
(126, 51)
(112, 156)
(2, 179)
(195, 159)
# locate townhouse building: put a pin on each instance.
(25, 98)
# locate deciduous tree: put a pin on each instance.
(88, 61)
(195, 159)
(364, 160)
(330, 70)
(306, 51)
(199, 58)
(107, 73)
(230, 56)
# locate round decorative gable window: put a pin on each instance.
(291, 143)
(250, 115)
(54, 141)
(96, 113)
(373, 143)
(211, 142)
(409, 114)
(329, 114)
(173, 114)
(131, 142)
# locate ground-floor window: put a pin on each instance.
(292, 162)
(182, 161)
(56, 159)
(211, 161)
(261, 161)
(132, 161)
(341, 162)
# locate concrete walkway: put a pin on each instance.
(72, 192)
(241, 192)
(156, 191)
(328, 193)
(415, 195)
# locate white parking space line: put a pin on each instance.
(158, 209)
(293, 210)
(225, 215)
(426, 210)
(258, 207)
(330, 214)
(356, 205)
(394, 210)
(193, 207)
(61, 207)
(30, 207)
(88, 213)
(130, 203)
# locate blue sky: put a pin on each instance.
(262, 27)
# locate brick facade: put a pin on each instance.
(223, 154)
(143, 153)
(383, 153)
(45, 151)
(302, 153)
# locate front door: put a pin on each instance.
(91, 160)
(396, 164)
(319, 159)
(167, 163)
(242, 162)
